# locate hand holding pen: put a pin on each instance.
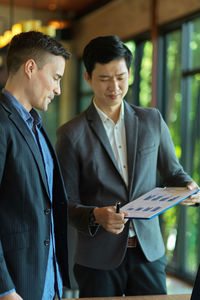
(110, 218)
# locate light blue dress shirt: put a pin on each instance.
(53, 281)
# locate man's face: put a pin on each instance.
(46, 82)
(109, 83)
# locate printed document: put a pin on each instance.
(156, 201)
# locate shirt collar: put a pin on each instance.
(37, 118)
(104, 117)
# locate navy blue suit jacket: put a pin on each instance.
(24, 205)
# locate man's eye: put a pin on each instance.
(104, 78)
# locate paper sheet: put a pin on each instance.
(156, 201)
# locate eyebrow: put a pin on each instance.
(107, 76)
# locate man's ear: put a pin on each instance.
(29, 67)
(87, 77)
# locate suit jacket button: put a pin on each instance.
(47, 211)
(46, 242)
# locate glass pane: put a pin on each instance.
(131, 46)
(194, 117)
(85, 101)
(173, 106)
(172, 117)
(145, 75)
(85, 92)
(50, 119)
(192, 214)
(194, 46)
(192, 239)
(129, 95)
(84, 87)
(169, 230)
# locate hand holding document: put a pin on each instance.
(194, 199)
(156, 201)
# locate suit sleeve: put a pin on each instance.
(70, 166)
(169, 167)
(6, 283)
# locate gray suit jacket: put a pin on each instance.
(92, 179)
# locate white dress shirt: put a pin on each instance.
(117, 136)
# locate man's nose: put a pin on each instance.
(57, 90)
(114, 85)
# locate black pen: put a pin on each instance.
(118, 205)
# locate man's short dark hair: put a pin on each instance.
(105, 49)
(32, 45)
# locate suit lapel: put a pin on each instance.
(25, 132)
(97, 126)
(28, 137)
(131, 125)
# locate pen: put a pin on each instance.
(118, 204)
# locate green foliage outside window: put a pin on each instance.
(174, 102)
(191, 237)
(174, 107)
(194, 44)
(145, 74)
(131, 46)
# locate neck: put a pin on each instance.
(112, 112)
(13, 87)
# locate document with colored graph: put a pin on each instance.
(156, 202)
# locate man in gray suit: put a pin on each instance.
(112, 152)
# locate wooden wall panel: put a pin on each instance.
(120, 17)
(169, 10)
(127, 18)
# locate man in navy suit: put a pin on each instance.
(33, 201)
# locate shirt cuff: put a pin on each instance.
(7, 293)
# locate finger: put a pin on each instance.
(125, 220)
(190, 201)
(117, 230)
(186, 203)
(196, 195)
(192, 185)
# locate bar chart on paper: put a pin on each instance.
(156, 201)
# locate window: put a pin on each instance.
(179, 102)
(50, 119)
(85, 92)
(140, 80)
(170, 105)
